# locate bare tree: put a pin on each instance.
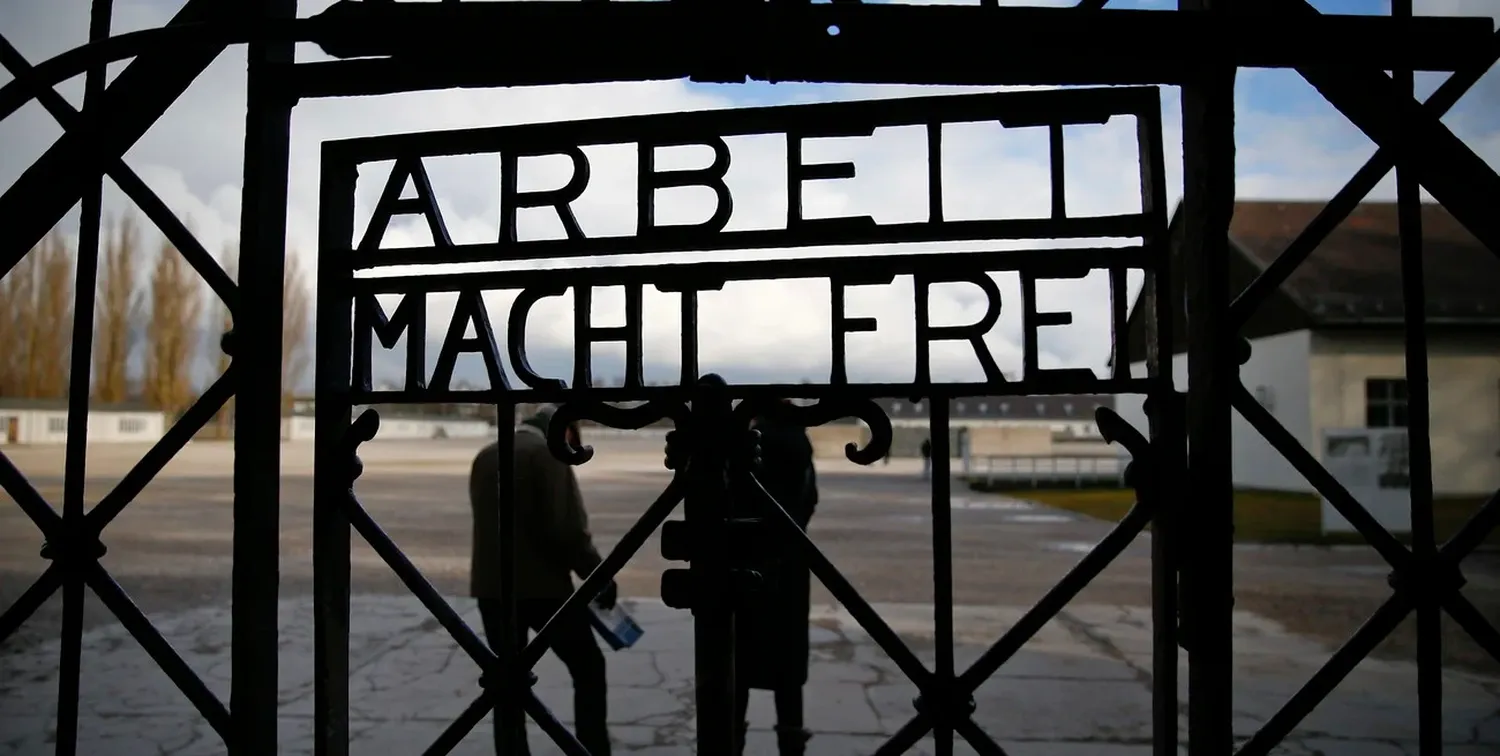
(17, 324)
(230, 259)
(173, 334)
(296, 311)
(48, 350)
(119, 309)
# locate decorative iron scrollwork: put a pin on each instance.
(826, 411)
(1117, 430)
(621, 418)
(361, 430)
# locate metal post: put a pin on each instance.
(510, 719)
(257, 408)
(75, 465)
(331, 478)
(1166, 433)
(1419, 420)
(706, 507)
(1207, 206)
(942, 563)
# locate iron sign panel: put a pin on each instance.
(341, 256)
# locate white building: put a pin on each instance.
(1327, 349)
(397, 422)
(45, 421)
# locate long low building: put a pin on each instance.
(397, 422)
(45, 421)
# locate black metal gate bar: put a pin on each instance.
(1208, 150)
(331, 480)
(506, 676)
(942, 563)
(1165, 431)
(706, 510)
(257, 346)
(80, 375)
(1419, 416)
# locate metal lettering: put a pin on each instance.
(842, 325)
(470, 309)
(974, 333)
(798, 172)
(370, 322)
(648, 180)
(516, 333)
(1032, 320)
(391, 204)
(586, 335)
(512, 199)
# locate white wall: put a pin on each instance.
(1278, 371)
(1464, 392)
(303, 428)
(50, 426)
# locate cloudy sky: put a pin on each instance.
(1292, 145)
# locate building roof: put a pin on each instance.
(1352, 279)
(1355, 274)
(61, 405)
(1066, 407)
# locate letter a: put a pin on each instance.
(469, 309)
(391, 204)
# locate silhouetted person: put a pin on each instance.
(926, 458)
(552, 540)
(771, 646)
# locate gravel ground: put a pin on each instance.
(171, 548)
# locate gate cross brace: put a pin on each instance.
(74, 550)
(130, 105)
(1447, 167)
(129, 182)
(1437, 581)
(1343, 203)
(493, 679)
(1143, 474)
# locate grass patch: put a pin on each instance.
(1259, 516)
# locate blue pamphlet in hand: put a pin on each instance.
(615, 626)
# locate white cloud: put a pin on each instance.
(192, 158)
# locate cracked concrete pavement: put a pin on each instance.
(1081, 686)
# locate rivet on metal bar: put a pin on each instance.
(1436, 577)
(947, 708)
(74, 551)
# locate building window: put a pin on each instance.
(961, 407)
(1385, 403)
(1041, 410)
(1005, 408)
(132, 425)
(1068, 408)
(895, 408)
(916, 407)
(984, 407)
(57, 424)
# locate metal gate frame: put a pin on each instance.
(389, 47)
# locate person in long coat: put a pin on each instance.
(771, 627)
(552, 544)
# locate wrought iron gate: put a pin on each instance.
(389, 47)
